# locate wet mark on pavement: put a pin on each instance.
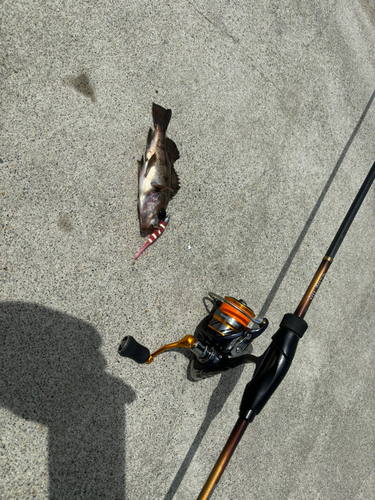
(65, 223)
(82, 84)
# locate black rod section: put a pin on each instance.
(335, 245)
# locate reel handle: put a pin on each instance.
(273, 366)
(130, 348)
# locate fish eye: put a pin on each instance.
(162, 214)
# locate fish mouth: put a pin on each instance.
(148, 226)
(147, 232)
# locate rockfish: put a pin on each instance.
(157, 179)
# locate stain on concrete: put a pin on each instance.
(82, 84)
(65, 223)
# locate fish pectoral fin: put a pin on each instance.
(173, 153)
(149, 138)
(150, 164)
(175, 183)
(159, 187)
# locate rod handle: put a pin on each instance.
(273, 366)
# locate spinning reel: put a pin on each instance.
(218, 343)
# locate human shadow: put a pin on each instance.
(53, 373)
(229, 379)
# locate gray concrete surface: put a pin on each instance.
(274, 119)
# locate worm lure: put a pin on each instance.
(153, 236)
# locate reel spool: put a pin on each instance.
(218, 343)
(233, 325)
(231, 316)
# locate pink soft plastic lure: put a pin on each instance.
(153, 236)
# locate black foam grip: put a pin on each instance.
(294, 323)
(130, 348)
(274, 364)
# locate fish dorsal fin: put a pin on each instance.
(173, 153)
(150, 163)
(149, 138)
(140, 163)
(175, 183)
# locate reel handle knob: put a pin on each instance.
(130, 348)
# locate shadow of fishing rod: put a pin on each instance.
(228, 381)
(230, 378)
(313, 213)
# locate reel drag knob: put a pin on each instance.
(130, 348)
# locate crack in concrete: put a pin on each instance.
(213, 24)
(237, 42)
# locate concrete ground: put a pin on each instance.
(274, 118)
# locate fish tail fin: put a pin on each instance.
(161, 116)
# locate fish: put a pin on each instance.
(157, 179)
(153, 237)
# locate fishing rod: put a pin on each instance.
(223, 335)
